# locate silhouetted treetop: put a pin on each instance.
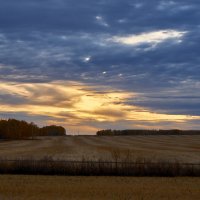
(15, 129)
(110, 132)
(53, 130)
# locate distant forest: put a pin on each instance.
(15, 129)
(110, 132)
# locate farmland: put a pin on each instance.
(183, 148)
(116, 188)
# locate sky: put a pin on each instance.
(108, 64)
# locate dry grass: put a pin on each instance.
(139, 167)
(112, 188)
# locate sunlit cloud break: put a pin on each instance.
(154, 37)
(74, 104)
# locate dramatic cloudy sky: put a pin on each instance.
(90, 65)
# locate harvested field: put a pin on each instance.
(115, 188)
(167, 148)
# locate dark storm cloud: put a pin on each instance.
(48, 40)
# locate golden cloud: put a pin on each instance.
(73, 103)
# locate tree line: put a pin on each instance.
(110, 132)
(16, 129)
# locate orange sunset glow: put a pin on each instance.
(74, 105)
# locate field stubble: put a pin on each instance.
(115, 188)
(167, 148)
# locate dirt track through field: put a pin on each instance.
(170, 148)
